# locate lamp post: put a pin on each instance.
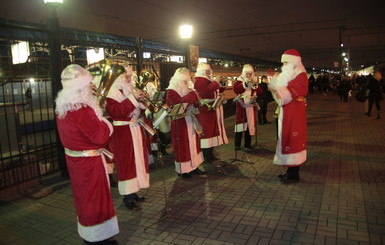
(185, 32)
(54, 44)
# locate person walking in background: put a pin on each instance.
(375, 93)
(28, 98)
(289, 89)
(263, 101)
(84, 132)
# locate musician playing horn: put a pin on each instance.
(185, 141)
(83, 132)
(128, 141)
(208, 90)
(246, 111)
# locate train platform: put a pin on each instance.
(340, 198)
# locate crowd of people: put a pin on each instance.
(197, 127)
(367, 88)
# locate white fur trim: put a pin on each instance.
(99, 232)
(77, 83)
(293, 159)
(222, 138)
(240, 127)
(108, 124)
(142, 179)
(110, 167)
(291, 59)
(116, 95)
(196, 159)
(285, 96)
(209, 142)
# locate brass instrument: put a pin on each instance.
(145, 77)
(223, 81)
(108, 72)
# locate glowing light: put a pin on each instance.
(94, 55)
(20, 52)
(53, 1)
(185, 31)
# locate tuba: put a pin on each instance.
(108, 72)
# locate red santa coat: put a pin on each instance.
(246, 118)
(129, 145)
(82, 130)
(185, 142)
(292, 126)
(208, 91)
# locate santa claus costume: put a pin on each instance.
(208, 90)
(83, 132)
(246, 110)
(184, 138)
(128, 140)
(289, 89)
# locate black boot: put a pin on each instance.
(128, 201)
(112, 181)
(292, 175)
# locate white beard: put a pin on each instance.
(70, 100)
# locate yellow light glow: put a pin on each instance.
(53, 1)
(185, 31)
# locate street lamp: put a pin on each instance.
(185, 32)
(54, 44)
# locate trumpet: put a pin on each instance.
(223, 81)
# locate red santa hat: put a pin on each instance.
(75, 77)
(291, 56)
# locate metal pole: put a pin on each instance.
(188, 61)
(56, 68)
(139, 55)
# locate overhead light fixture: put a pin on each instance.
(185, 31)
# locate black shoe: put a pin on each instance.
(261, 123)
(104, 242)
(290, 178)
(378, 116)
(198, 172)
(284, 175)
(130, 205)
(213, 158)
(237, 148)
(185, 175)
(267, 122)
(367, 114)
(139, 198)
(249, 147)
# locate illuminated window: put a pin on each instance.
(20, 52)
(95, 55)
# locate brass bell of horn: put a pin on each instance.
(109, 73)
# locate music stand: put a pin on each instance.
(178, 111)
(235, 159)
